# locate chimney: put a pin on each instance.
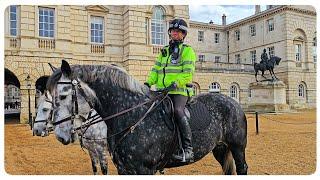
(258, 10)
(224, 20)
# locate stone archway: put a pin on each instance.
(12, 97)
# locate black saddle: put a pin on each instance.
(196, 111)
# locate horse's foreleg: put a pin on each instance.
(93, 163)
(256, 76)
(103, 161)
(274, 74)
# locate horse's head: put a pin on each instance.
(278, 59)
(72, 101)
(44, 115)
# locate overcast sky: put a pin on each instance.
(205, 13)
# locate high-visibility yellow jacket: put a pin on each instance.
(164, 73)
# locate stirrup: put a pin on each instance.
(183, 158)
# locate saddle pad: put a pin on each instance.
(200, 118)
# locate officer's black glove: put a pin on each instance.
(147, 84)
(172, 86)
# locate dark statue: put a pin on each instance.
(267, 64)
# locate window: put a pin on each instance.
(270, 24)
(217, 59)
(301, 90)
(253, 30)
(158, 26)
(298, 52)
(214, 87)
(13, 20)
(237, 57)
(216, 37)
(253, 55)
(271, 51)
(234, 92)
(201, 58)
(46, 22)
(200, 36)
(96, 29)
(146, 26)
(237, 35)
(314, 50)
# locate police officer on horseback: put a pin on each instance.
(174, 68)
(264, 57)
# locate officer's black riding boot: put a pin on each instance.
(186, 136)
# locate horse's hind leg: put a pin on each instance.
(223, 156)
(94, 167)
(238, 153)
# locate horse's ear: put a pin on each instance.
(65, 68)
(52, 67)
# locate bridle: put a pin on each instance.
(90, 120)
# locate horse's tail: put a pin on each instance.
(223, 154)
(229, 166)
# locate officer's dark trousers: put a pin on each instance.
(179, 103)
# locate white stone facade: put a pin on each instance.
(127, 41)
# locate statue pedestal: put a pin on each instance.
(268, 96)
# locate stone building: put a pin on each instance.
(132, 36)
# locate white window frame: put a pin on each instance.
(15, 20)
(270, 24)
(253, 55)
(237, 58)
(233, 92)
(301, 90)
(214, 87)
(237, 35)
(45, 23)
(271, 51)
(158, 26)
(297, 52)
(200, 36)
(97, 21)
(216, 38)
(252, 30)
(201, 57)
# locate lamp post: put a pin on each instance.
(28, 81)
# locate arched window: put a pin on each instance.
(214, 87)
(301, 90)
(234, 92)
(158, 26)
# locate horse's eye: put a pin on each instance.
(45, 109)
(62, 97)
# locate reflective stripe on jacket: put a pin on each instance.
(164, 72)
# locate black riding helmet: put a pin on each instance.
(178, 24)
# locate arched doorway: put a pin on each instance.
(40, 87)
(12, 97)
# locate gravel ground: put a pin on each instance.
(285, 145)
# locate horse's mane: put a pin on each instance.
(107, 74)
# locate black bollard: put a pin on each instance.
(257, 123)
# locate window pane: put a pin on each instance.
(46, 19)
(13, 24)
(51, 27)
(92, 39)
(13, 32)
(51, 33)
(92, 26)
(41, 26)
(51, 13)
(13, 8)
(40, 18)
(51, 20)
(45, 12)
(46, 34)
(13, 16)
(46, 27)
